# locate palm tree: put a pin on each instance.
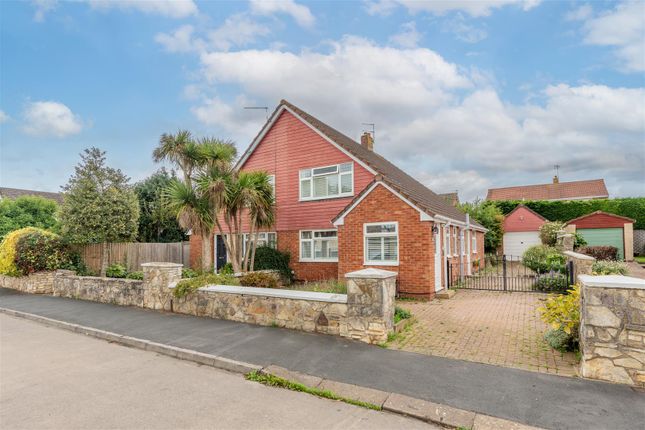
(181, 150)
(193, 212)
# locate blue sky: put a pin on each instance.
(465, 94)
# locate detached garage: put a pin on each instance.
(521, 230)
(605, 229)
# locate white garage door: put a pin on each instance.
(516, 243)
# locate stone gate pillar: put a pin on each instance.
(370, 304)
(157, 277)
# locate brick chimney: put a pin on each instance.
(556, 180)
(367, 141)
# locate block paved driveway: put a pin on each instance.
(498, 328)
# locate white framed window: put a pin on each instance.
(381, 243)
(263, 239)
(327, 182)
(474, 237)
(455, 250)
(462, 242)
(446, 241)
(319, 245)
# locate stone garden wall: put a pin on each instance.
(612, 329)
(36, 283)
(365, 313)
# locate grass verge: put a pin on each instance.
(274, 381)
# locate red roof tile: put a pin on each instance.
(591, 189)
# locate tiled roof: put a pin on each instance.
(13, 193)
(592, 214)
(594, 188)
(412, 189)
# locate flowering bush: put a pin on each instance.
(562, 313)
(608, 267)
(549, 232)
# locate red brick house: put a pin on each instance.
(340, 207)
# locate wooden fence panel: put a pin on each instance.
(132, 255)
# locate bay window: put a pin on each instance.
(319, 245)
(327, 182)
(381, 243)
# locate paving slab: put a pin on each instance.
(355, 392)
(536, 399)
(290, 375)
(484, 422)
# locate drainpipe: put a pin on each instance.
(469, 244)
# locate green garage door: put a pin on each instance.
(604, 237)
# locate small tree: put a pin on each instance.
(27, 211)
(549, 232)
(99, 205)
(488, 215)
(157, 223)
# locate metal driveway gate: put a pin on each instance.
(509, 273)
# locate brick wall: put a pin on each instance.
(416, 247)
(289, 241)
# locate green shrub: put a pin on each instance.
(8, 251)
(600, 252)
(226, 269)
(560, 341)
(608, 267)
(562, 312)
(189, 285)
(135, 275)
(116, 270)
(401, 314)
(578, 241)
(543, 259)
(267, 258)
(28, 211)
(259, 280)
(189, 273)
(39, 250)
(552, 283)
(332, 286)
(549, 232)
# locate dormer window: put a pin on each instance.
(327, 182)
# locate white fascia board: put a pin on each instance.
(423, 216)
(269, 125)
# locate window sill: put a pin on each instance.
(381, 263)
(335, 260)
(317, 199)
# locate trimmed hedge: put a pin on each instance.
(259, 280)
(30, 250)
(600, 252)
(632, 207)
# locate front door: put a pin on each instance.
(220, 252)
(437, 260)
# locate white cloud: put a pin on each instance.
(42, 7)
(433, 117)
(467, 183)
(49, 118)
(181, 40)
(580, 14)
(3, 117)
(475, 8)
(622, 28)
(169, 8)
(408, 37)
(237, 30)
(301, 14)
(463, 31)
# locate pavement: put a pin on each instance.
(54, 379)
(541, 400)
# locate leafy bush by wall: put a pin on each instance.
(42, 250)
(552, 283)
(116, 270)
(189, 285)
(600, 252)
(267, 258)
(633, 207)
(562, 312)
(549, 232)
(543, 259)
(606, 267)
(259, 280)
